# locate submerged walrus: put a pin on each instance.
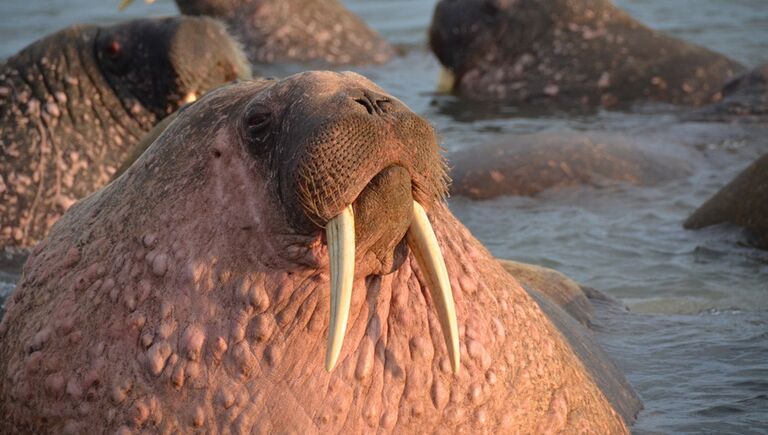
(73, 104)
(529, 164)
(192, 293)
(569, 52)
(279, 31)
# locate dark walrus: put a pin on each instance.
(73, 104)
(745, 99)
(193, 293)
(584, 52)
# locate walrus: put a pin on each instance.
(569, 52)
(73, 104)
(295, 31)
(743, 201)
(744, 99)
(272, 223)
(527, 164)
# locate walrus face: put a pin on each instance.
(162, 64)
(352, 144)
(352, 160)
(463, 30)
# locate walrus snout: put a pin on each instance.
(329, 134)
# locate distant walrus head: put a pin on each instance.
(73, 105)
(572, 52)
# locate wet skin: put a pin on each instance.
(192, 293)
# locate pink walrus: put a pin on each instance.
(281, 259)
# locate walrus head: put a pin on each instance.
(164, 63)
(192, 292)
(359, 164)
(464, 31)
(101, 89)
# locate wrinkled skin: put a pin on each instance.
(526, 165)
(743, 201)
(73, 104)
(745, 99)
(279, 31)
(191, 294)
(569, 52)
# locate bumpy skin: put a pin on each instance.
(745, 99)
(528, 164)
(183, 298)
(278, 31)
(73, 104)
(743, 201)
(569, 52)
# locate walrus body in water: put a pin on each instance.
(73, 105)
(569, 52)
(269, 224)
(279, 31)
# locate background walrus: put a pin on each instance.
(73, 104)
(281, 31)
(571, 52)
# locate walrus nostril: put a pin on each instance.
(365, 102)
(374, 104)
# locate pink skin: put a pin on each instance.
(178, 298)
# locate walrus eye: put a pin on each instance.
(113, 49)
(112, 56)
(257, 130)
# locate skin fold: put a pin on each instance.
(279, 31)
(569, 53)
(192, 293)
(74, 104)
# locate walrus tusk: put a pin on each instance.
(340, 233)
(446, 81)
(422, 241)
(191, 97)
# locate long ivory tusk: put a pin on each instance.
(422, 241)
(340, 233)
